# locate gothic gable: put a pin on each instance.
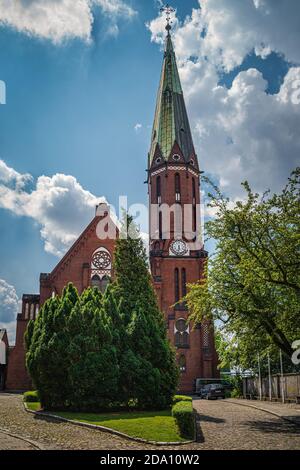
(90, 256)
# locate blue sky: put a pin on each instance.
(72, 106)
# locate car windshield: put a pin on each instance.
(216, 386)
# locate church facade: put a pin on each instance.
(176, 253)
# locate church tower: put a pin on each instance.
(177, 255)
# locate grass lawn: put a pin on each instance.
(150, 425)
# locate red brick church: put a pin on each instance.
(176, 256)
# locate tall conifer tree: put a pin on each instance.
(149, 373)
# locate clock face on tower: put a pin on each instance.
(179, 247)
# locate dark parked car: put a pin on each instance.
(212, 391)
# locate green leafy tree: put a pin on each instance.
(252, 284)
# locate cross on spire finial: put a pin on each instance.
(167, 9)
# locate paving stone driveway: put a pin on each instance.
(8, 442)
(222, 425)
(232, 426)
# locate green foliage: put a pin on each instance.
(183, 414)
(236, 393)
(31, 397)
(94, 351)
(34, 406)
(236, 385)
(28, 334)
(151, 425)
(178, 398)
(148, 370)
(71, 357)
(253, 281)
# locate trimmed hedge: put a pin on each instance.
(178, 398)
(183, 414)
(31, 397)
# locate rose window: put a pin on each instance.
(101, 260)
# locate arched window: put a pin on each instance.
(194, 190)
(158, 190)
(32, 311)
(177, 187)
(181, 333)
(26, 311)
(104, 283)
(176, 284)
(183, 282)
(160, 234)
(100, 284)
(182, 363)
(96, 281)
(194, 213)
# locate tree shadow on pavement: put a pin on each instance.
(274, 426)
(204, 418)
(48, 419)
(209, 419)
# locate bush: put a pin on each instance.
(183, 414)
(235, 393)
(76, 333)
(31, 397)
(178, 398)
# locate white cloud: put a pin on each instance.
(138, 127)
(10, 306)
(243, 132)
(9, 175)
(58, 204)
(9, 303)
(116, 8)
(235, 28)
(60, 20)
(225, 31)
(247, 133)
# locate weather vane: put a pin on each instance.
(167, 9)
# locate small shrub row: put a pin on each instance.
(31, 397)
(178, 398)
(183, 414)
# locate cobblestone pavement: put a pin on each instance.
(11, 443)
(52, 434)
(289, 411)
(221, 425)
(227, 425)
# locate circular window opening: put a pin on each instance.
(158, 160)
(176, 157)
(192, 162)
(101, 260)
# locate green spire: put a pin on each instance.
(171, 122)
